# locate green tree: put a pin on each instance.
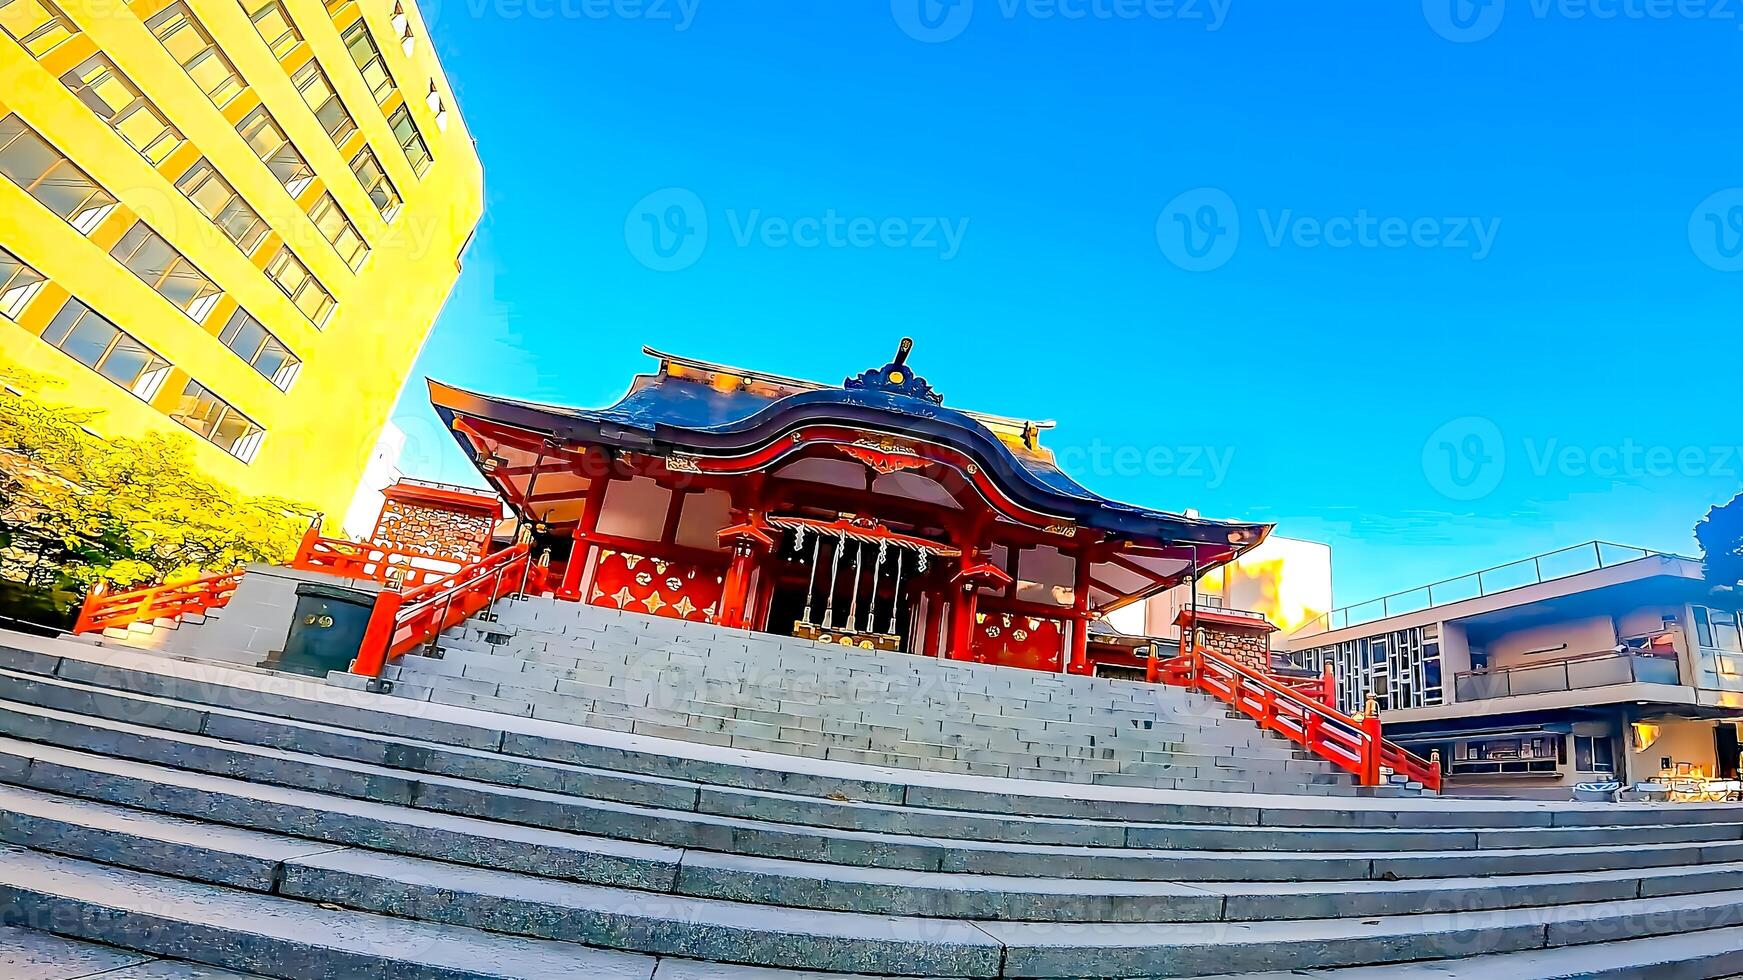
(1720, 535)
(75, 507)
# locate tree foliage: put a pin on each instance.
(75, 507)
(1720, 535)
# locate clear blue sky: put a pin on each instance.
(1446, 302)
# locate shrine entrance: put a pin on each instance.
(853, 581)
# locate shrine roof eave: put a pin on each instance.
(640, 423)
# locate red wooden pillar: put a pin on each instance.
(581, 544)
(748, 539)
(965, 601)
(1078, 662)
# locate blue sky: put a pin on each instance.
(1462, 283)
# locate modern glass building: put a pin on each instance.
(234, 220)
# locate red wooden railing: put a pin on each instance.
(373, 562)
(1322, 689)
(103, 609)
(402, 620)
(1354, 745)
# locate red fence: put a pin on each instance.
(1354, 745)
(376, 563)
(118, 610)
(402, 620)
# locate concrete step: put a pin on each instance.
(28, 955)
(200, 686)
(726, 931)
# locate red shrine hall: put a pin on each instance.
(866, 514)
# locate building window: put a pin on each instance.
(260, 349)
(217, 200)
(402, 27)
(217, 421)
(317, 91)
(45, 174)
(276, 27)
(192, 48)
(417, 153)
(37, 24)
(108, 93)
(375, 183)
(166, 270)
(1593, 754)
(106, 349)
(1400, 669)
(367, 57)
(274, 149)
(300, 285)
(337, 229)
(18, 284)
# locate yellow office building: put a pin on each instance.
(231, 219)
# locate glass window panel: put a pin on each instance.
(217, 200)
(114, 98)
(291, 276)
(375, 183)
(312, 83)
(367, 57)
(36, 24)
(330, 221)
(274, 149)
(98, 344)
(275, 27)
(30, 162)
(166, 270)
(188, 43)
(18, 283)
(217, 421)
(417, 152)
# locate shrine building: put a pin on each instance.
(867, 514)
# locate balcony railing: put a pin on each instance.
(1576, 674)
(1547, 567)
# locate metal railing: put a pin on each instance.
(1537, 569)
(1574, 674)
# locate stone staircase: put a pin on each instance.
(271, 825)
(629, 672)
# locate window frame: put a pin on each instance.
(416, 138)
(249, 444)
(286, 374)
(151, 378)
(177, 268)
(85, 218)
(13, 296)
(327, 203)
(285, 257)
(291, 33)
(264, 122)
(160, 25)
(304, 79)
(208, 175)
(396, 203)
(56, 18)
(359, 30)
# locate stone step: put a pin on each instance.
(726, 931)
(737, 834)
(29, 955)
(50, 822)
(196, 684)
(686, 794)
(272, 935)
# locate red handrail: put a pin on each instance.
(1353, 744)
(105, 610)
(402, 620)
(373, 562)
